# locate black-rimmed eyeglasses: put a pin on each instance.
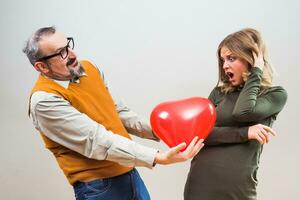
(63, 52)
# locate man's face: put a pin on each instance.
(57, 67)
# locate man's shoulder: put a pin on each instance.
(89, 63)
(40, 96)
(86, 62)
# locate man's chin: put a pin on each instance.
(76, 71)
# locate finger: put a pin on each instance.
(262, 137)
(257, 135)
(202, 145)
(259, 139)
(266, 134)
(196, 148)
(254, 55)
(199, 145)
(177, 148)
(191, 145)
(270, 130)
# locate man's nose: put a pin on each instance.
(72, 53)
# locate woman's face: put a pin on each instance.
(233, 67)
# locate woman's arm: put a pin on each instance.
(224, 135)
(227, 135)
(231, 135)
(252, 107)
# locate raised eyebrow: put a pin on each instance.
(230, 56)
(224, 56)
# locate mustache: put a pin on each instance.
(71, 61)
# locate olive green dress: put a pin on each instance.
(226, 168)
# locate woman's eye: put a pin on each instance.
(231, 58)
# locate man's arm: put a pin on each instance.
(134, 123)
(58, 120)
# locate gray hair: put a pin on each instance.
(31, 48)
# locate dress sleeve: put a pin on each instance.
(225, 135)
(251, 106)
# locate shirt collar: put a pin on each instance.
(66, 83)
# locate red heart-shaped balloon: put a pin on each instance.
(180, 121)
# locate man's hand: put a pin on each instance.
(173, 155)
(261, 133)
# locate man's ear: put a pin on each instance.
(41, 67)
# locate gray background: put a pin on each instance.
(151, 51)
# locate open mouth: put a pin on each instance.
(73, 64)
(229, 75)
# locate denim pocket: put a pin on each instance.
(96, 188)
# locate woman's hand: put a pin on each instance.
(173, 155)
(258, 59)
(261, 133)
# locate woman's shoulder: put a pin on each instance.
(216, 95)
(277, 91)
(217, 91)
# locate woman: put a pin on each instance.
(246, 104)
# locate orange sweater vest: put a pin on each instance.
(91, 97)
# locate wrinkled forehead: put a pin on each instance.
(52, 42)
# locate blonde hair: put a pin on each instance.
(243, 44)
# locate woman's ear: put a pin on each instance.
(41, 67)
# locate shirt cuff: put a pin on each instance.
(145, 156)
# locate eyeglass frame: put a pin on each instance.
(70, 39)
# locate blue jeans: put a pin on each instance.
(128, 186)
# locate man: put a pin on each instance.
(83, 126)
